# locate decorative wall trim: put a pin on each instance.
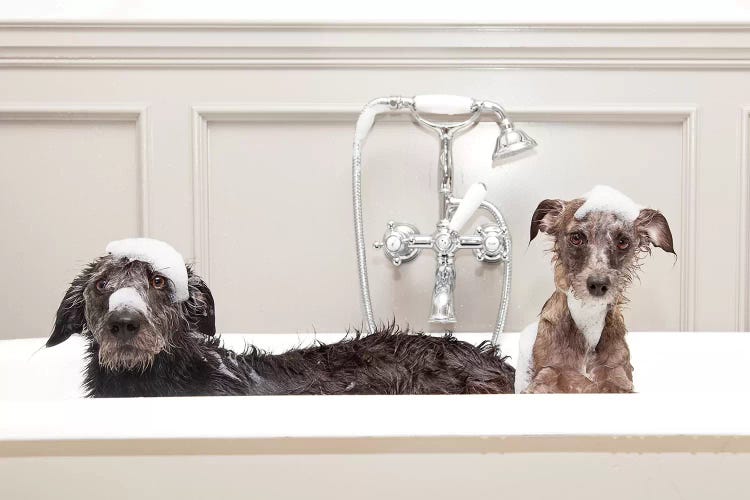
(145, 142)
(282, 45)
(683, 115)
(398, 59)
(743, 261)
(382, 63)
(201, 191)
(689, 228)
(98, 113)
(200, 25)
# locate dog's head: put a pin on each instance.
(598, 241)
(134, 303)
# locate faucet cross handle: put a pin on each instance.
(397, 242)
(495, 243)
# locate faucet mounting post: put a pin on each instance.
(445, 171)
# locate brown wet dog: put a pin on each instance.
(579, 343)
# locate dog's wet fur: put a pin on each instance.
(176, 352)
(595, 260)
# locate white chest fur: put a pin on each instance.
(589, 316)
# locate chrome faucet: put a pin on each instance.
(402, 242)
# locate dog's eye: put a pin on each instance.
(158, 282)
(101, 285)
(576, 238)
(623, 243)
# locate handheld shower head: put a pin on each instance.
(511, 142)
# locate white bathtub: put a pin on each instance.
(685, 435)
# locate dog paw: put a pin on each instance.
(611, 388)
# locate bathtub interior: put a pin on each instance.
(664, 362)
(691, 386)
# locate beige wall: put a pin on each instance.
(372, 475)
(234, 145)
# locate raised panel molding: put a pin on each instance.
(743, 261)
(98, 113)
(685, 116)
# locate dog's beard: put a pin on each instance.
(137, 353)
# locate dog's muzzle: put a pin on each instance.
(126, 309)
(598, 286)
(123, 324)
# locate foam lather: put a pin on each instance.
(443, 104)
(607, 199)
(164, 260)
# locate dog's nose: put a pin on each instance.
(597, 285)
(123, 324)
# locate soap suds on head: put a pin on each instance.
(164, 260)
(127, 298)
(607, 199)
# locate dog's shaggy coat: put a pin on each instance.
(176, 352)
(389, 361)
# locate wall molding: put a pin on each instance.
(97, 113)
(201, 190)
(743, 261)
(417, 45)
(201, 25)
(388, 59)
(685, 116)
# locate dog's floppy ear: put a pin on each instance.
(654, 230)
(545, 216)
(71, 314)
(199, 307)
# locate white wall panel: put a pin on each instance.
(248, 134)
(280, 226)
(70, 181)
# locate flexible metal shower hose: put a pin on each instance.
(359, 234)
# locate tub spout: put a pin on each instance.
(442, 295)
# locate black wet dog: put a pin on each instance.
(144, 342)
